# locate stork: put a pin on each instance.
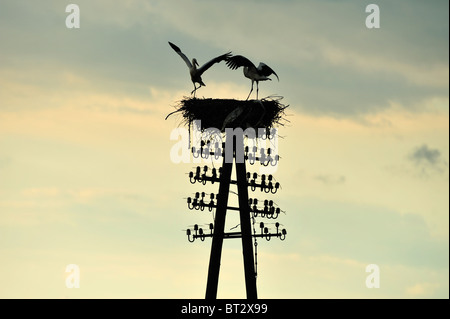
(256, 74)
(196, 73)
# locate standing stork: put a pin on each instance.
(252, 72)
(196, 73)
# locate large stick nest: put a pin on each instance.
(230, 113)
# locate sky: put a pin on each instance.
(86, 176)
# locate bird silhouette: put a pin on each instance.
(256, 74)
(195, 71)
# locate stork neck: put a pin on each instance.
(194, 65)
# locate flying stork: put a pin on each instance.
(196, 73)
(252, 72)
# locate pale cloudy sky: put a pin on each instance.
(85, 172)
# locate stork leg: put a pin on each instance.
(195, 89)
(257, 89)
(250, 92)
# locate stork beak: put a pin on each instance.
(196, 63)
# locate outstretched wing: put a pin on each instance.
(208, 64)
(265, 70)
(181, 54)
(238, 61)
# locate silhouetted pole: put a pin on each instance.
(247, 245)
(219, 228)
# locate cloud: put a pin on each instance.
(328, 63)
(424, 154)
(428, 160)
